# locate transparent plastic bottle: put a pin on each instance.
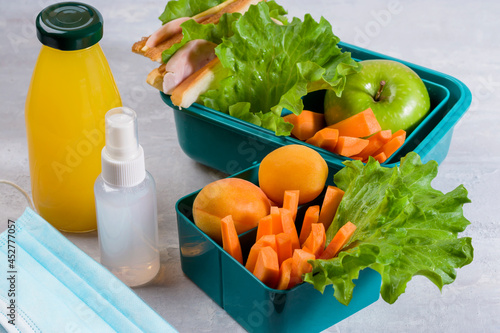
(71, 89)
(125, 198)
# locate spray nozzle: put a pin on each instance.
(121, 134)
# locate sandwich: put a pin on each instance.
(244, 58)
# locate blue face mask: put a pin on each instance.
(49, 285)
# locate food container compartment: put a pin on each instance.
(256, 307)
(231, 145)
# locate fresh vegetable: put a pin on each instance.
(315, 242)
(393, 144)
(290, 229)
(284, 246)
(404, 228)
(338, 241)
(293, 167)
(311, 216)
(395, 93)
(285, 271)
(359, 125)
(267, 268)
(325, 138)
(300, 266)
(291, 202)
(375, 142)
(276, 218)
(306, 124)
(331, 201)
(265, 226)
(230, 240)
(350, 146)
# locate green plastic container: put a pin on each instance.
(256, 307)
(231, 145)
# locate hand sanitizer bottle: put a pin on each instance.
(125, 198)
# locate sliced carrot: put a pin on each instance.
(268, 240)
(360, 125)
(300, 266)
(315, 243)
(284, 246)
(331, 202)
(375, 141)
(311, 216)
(290, 229)
(276, 218)
(230, 240)
(285, 270)
(265, 227)
(253, 255)
(350, 146)
(325, 138)
(267, 268)
(397, 140)
(357, 158)
(291, 202)
(306, 124)
(340, 239)
(381, 158)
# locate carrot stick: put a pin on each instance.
(284, 246)
(390, 147)
(230, 240)
(339, 241)
(300, 266)
(285, 270)
(264, 227)
(350, 146)
(331, 202)
(315, 243)
(360, 125)
(276, 220)
(375, 141)
(290, 229)
(267, 240)
(325, 138)
(381, 158)
(267, 268)
(306, 124)
(291, 202)
(311, 216)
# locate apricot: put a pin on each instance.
(245, 201)
(293, 167)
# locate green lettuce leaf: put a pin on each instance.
(186, 8)
(273, 66)
(404, 228)
(215, 33)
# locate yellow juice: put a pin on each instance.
(69, 94)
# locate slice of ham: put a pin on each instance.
(187, 60)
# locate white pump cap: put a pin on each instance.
(122, 157)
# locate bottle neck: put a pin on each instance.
(123, 173)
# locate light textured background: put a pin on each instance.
(459, 38)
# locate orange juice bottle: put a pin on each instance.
(71, 90)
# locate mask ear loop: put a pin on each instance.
(20, 189)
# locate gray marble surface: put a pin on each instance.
(459, 38)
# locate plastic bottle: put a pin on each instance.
(125, 197)
(71, 90)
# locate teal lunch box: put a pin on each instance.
(256, 307)
(231, 145)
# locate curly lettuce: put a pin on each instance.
(273, 66)
(404, 228)
(186, 8)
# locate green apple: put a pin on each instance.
(395, 93)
